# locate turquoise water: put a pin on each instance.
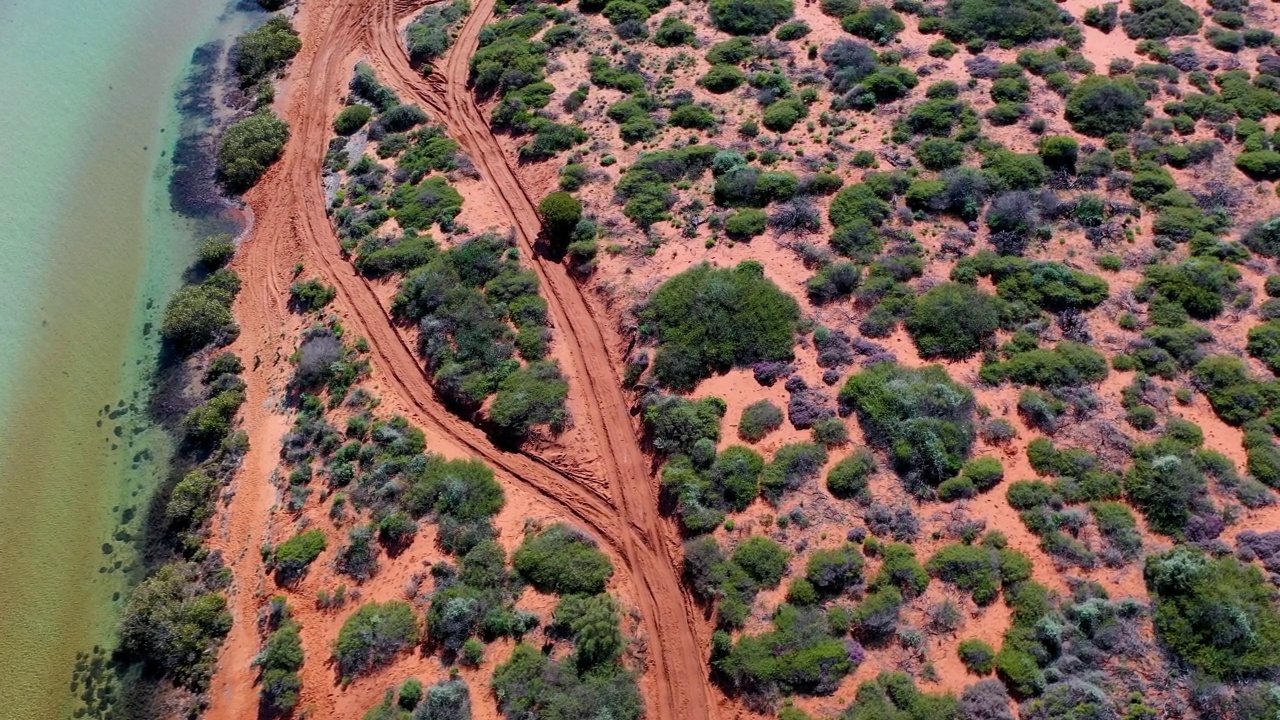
(89, 250)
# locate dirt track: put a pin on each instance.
(291, 224)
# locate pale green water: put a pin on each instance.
(89, 249)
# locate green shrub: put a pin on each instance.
(1100, 106)
(1263, 238)
(750, 17)
(758, 420)
(953, 321)
(1260, 164)
(743, 318)
(197, 315)
(797, 655)
(1218, 615)
(857, 203)
(460, 489)
(875, 619)
(1200, 285)
(1006, 23)
(675, 425)
(351, 119)
(374, 635)
(920, 416)
(832, 571)
(1159, 19)
(261, 52)
(560, 213)
(764, 560)
(563, 561)
(746, 223)
(901, 570)
(175, 625)
(673, 31)
(781, 116)
(722, 78)
(984, 472)
(940, 153)
(531, 684)
(1069, 364)
(850, 477)
(894, 695)
(976, 570)
(532, 395)
(294, 555)
(793, 465)
(216, 250)
(280, 660)
(248, 148)
(978, 657)
(1105, 17)
(312, 294)
(429, 35)
(874, 22)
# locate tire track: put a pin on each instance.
(292, 222)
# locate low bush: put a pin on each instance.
(265, 50)
(758, 420)
(1218, 615)
(374, 635)
(920, 416)
(563, 561)
(743, 318)
(249, 147)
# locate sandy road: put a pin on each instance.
(291, 224)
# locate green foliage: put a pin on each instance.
(764, 560)
(216, 250)
(1263, 238)
(1005, 170)
(781, 116)
(532, 685)
(1006, 23)
(1260, 164)
(1069, 364)
(746, 224)
(1236, 396)
(798, 655)
(758, 420)
(703, 494)
(975, 570)
(750, 17)
(1166, 484)
(563, 561)
(294, 555)
(280, 660)
(455, 490)
(921, 417)
(532, 395)
(741, 317)
(420, 206)
(835, 570)
(175, 624)
(940, 153)
(675, 425)
(978, 657)
(1159, 19)
(850, 477)
(793, 465)
(901, 571)
(673, 31)
(560, 213)
(1201, 286)
(374, 635)
(874, 22)
(199, 314)
(722, 78)
(1100, 106)
(592, 622)
(1219, 615)
(429, 35)
(351, 119)
(855, 203)
(312, 294)
(249, 147)
(953, 320)
(266, 50)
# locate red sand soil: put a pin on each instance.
(291, 226)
